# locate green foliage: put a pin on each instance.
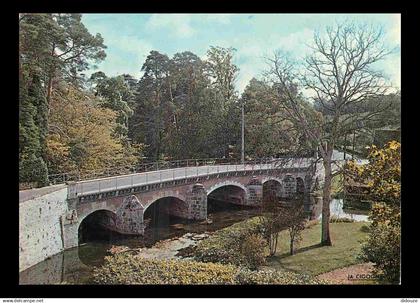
(229, 245)
(365, 228)
(336, 219)
(114, 94)
(222, 70)
(253, 250)
(131, 269)
(275, 135)
(185, 107)
(33, 169)
(52, 48)
(337, 186)
(82, 134)
(384, 242)
(275, 277)
(382, 175)
(32, 133)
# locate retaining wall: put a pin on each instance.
(40, 232)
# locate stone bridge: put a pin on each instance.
(51, 218)
(122, 203)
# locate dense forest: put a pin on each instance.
(182, 107)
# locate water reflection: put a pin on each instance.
(337, 210)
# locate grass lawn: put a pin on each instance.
(312, 259)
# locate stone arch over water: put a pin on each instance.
(272, 187)
(96, 225)
(224, 194)
(227, 183)
(162, 210)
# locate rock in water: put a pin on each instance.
(178, 226)
(207, 221)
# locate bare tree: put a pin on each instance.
(339, 75)
(277, 215)
(270, 220)
(295, 218)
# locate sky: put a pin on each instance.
(130, 37)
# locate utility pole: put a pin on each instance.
(354, 139)
(345, 145)
(243, 135)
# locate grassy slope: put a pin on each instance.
(313, 259)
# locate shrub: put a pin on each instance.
(383, 245)
(274, 277)
(225, 245)
(132, 269)
(382, 176)
(365, 228)
(253, 250)
(335, 219)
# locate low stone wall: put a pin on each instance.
(40, 231)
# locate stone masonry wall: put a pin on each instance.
(130, 217)
(289, 186)
(255, 190)
(40, 233)
(197, 203)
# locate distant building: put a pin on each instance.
(385, 134)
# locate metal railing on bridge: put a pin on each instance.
(155, 166)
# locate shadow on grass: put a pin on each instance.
(276, 260)
(299, 250)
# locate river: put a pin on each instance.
(163, 240)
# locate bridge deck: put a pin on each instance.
(140, 179)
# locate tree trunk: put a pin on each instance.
(50, 79)
(326, 199)
(345, 145)
(291, 246)
(49, 89)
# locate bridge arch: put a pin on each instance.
(162, 195)
(272, 187)
(230, 192)
(96, 224)
(270, 178)
(227, 183)
(162, 210)
(83, 213)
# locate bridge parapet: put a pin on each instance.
(86, 191)
(77, 176)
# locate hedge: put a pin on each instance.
(131, 269)
(127, 269)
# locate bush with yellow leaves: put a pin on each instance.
(129, 269)
(382, 175)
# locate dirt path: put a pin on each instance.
(354, 274)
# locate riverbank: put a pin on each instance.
(177, 241)
(328, 264)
